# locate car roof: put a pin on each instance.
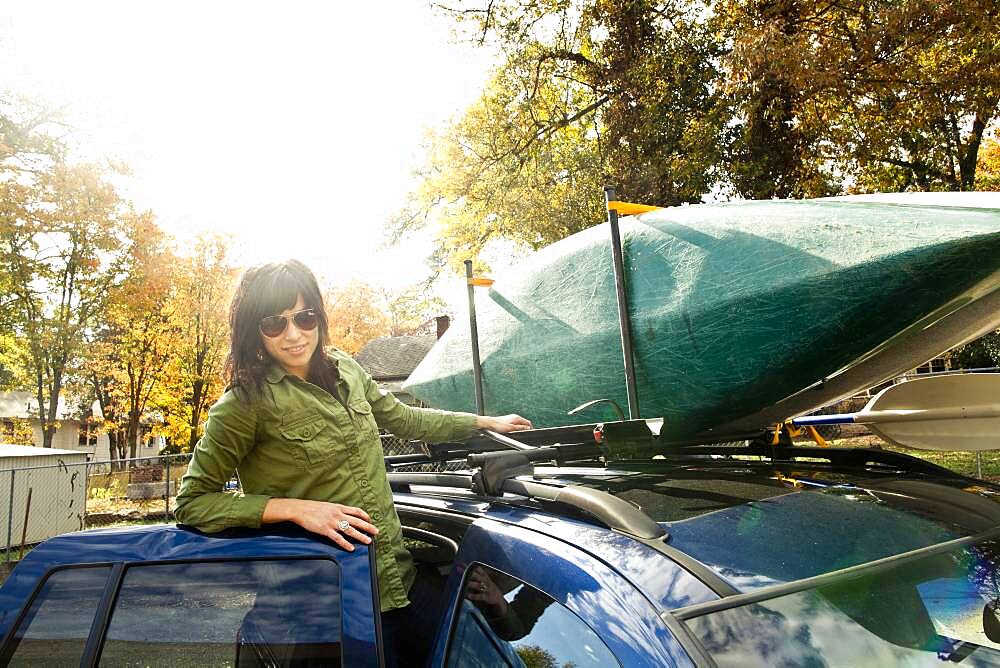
(164, 543)
(737, 526)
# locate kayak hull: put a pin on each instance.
(742, 314)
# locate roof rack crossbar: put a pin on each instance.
(401, 482)
(611, 511)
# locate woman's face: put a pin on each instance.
(294, 347)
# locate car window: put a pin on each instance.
(937, 608)
(226, 613)
(502, 621)
(55, 629)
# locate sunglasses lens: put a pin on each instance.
(306, 320)
(273, 325)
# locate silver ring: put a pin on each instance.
(343, 525)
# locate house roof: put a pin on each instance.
(33, 451)
(394, 356)
(23, 405)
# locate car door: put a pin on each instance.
(519, 597)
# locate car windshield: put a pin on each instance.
(935, 608)
(758, 528)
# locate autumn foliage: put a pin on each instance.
(99, 306)
(685, 100)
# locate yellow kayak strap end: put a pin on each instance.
(480, 282)
(629, 208)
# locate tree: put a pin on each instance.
(988, 171)
(143, 314)
(355, 315)
(674, 100)
(982, 353)
(771, 153)
(99, 367)
(590, 92)
(535, 656)
(63, 234)
(410, 308)
(890, 96)
(139, 335)
(25, 148)
(13, 361)
(204, 286)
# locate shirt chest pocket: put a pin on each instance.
(363, 419)
(307, 436)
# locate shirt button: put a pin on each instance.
(307, 432)
(376, 517)
(364, 483)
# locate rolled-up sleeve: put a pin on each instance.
(230, 433)
(427, 424)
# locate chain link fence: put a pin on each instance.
(392, 445)
(39, 502)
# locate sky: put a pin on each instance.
(294, 126)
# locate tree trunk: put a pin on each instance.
(43, 420)
(114, 436)
(967, 162)
(133, 434)
(49, 425)
(48, 432)
(121, 446)
(197, 389)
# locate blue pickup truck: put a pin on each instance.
(554, 556)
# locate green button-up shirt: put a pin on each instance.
(298, 441)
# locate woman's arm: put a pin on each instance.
(230, 434)
(428, 423)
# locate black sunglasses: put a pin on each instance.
(274, 325)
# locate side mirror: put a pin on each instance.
(991, 621)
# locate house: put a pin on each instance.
(75, 432)
(390, 360)
(18, 408)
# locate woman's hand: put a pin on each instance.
(503, 424)
(324, 519)
(481, 590)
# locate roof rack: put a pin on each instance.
(498, 465)
(608, 509)
(854, 457)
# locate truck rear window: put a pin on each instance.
(55, 629)
(227, 613)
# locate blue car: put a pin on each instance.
(560, 554)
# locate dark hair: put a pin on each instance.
(264, 290)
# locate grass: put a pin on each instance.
(960, 462)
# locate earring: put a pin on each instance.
(260, 355)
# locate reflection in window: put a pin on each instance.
(227, 613)
(505, 622)
(939, 608)
(55, 630)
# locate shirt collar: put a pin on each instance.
(275, 372)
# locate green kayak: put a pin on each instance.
(742, 314)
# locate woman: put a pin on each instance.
(301, 423)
